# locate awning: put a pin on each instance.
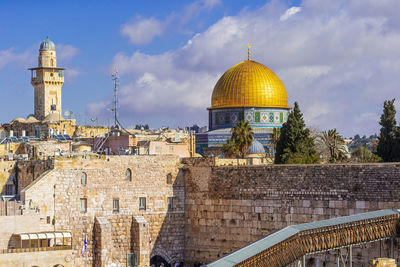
(24, 236)
(44, 235)
(59, 235)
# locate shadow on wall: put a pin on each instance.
(169, 246)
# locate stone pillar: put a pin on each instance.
(383, 262)
(102, 242)
(141, 239)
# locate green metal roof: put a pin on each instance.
(287, 232)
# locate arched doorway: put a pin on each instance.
(158, 261)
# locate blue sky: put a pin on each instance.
(338, 59)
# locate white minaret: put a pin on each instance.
(47, 80)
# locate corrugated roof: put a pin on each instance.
(281, 235)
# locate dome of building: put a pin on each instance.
(31, 119)
(249, 84)
(47, 45)
(18, 120)
(256, 148)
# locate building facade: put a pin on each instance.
(248, 91)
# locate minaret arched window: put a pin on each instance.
(128, 175)
(52, 62)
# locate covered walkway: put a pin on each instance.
(293, 243)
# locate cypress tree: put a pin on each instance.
(295, 144)
(388, 139)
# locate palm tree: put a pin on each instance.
(332, 141)
(242, 134)
(230, 149)
(276, 133)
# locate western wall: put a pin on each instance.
(228, 207)
(196, 210)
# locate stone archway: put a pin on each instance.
(158, 261)
(162, 253)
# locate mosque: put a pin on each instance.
(247, 91)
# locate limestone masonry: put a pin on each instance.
(144, 208)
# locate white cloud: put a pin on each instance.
(10, 56)
(290, 12)
(338, 59)
(143, 30)
(66, 52)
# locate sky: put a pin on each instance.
(338, 59)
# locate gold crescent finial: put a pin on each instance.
(248, 52)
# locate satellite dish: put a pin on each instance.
(68, 113)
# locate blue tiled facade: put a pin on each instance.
(263, 120)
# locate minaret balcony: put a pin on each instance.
(47, 79)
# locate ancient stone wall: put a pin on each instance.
(59, 192)
(28, 171)
(230, 207)
(7, 175)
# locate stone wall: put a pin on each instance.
(230, 207)
(7, 174)
(20, 224)
(64, 258)
(58, 193)
(28, 171)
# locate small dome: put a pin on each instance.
(256, 148)
(18, 119)
(31, 119)
(47, 45)
(249, 84)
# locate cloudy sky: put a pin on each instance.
(338, 59)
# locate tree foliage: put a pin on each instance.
(333, 142)
(388, 140)
(363, 154)
(240, 141)
(295, 144)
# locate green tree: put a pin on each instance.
(295, 144)
(241, 139)
(333, 142)
(363, 154)
(276, 133)
(388, 138)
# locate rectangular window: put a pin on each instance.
(115, 205)
(83, 205)
(142, 203)
(170, 201)
(9, 189)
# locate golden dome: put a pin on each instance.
(249, 84)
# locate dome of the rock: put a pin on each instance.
(249, 84)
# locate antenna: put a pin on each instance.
(115, 78)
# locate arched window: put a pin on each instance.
(51, 62)
(128, 175)
(169, 178)
(83, 178)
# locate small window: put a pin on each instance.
(169, 178)
(115, 205)
(9, 189)
(170, 202)
(83, 205)
(142, 203)
(83, 178)
(128, 175)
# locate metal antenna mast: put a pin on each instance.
(115, 78)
